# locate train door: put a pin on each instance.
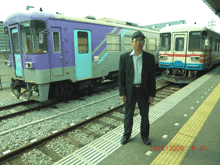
(83, 54)
(56, 59)
(179, 50)
(16, 52)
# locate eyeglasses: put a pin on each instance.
(136, 40)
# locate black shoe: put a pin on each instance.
(124, 140)
(146, 141)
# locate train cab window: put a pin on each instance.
(83, 46)
(56, 42)
(15, 43)
(30, 37)
(165, 41)
(197, 40)
(179, 44)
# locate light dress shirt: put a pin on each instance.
(137, 67)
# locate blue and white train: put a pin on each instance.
(53, 54)
(186, 50)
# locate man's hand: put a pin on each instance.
(123, 99)
(151, 100)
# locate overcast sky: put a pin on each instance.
(142, 12)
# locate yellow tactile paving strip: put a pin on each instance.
(188, 132)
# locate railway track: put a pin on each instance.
(24, 110)
(13, 110)
(16, 109)
(74, 134)
(29, 106)
(15, 105)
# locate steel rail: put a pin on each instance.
(42, 141)
(16, 104)
(10, 155)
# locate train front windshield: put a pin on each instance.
(30, 31)
(165, 41)
(197, 40)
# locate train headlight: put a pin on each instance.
(8, 63)
(29, 65)
(163, 57)
(195, 58)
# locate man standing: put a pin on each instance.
(137, 74)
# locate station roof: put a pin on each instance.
(214, 5)
(162, 25)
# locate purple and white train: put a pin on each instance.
(53, 54)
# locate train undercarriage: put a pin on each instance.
(180, 76)
(66, 88)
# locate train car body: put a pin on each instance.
(52, 52)
(186, 50)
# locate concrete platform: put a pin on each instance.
(187, 121)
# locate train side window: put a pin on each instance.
(113, 42)
(152, 44)
(179, 44)
(215, 45)
(5, 42)
(204, 37)
(56, 42)
(83, 46)
(127, 43)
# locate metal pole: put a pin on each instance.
(0, 82)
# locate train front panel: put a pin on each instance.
(186, 50)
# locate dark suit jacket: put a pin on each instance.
(126, 75)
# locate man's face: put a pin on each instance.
(138, 43)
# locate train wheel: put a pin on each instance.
(67, 89)
(94, 84)
(90, 88)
